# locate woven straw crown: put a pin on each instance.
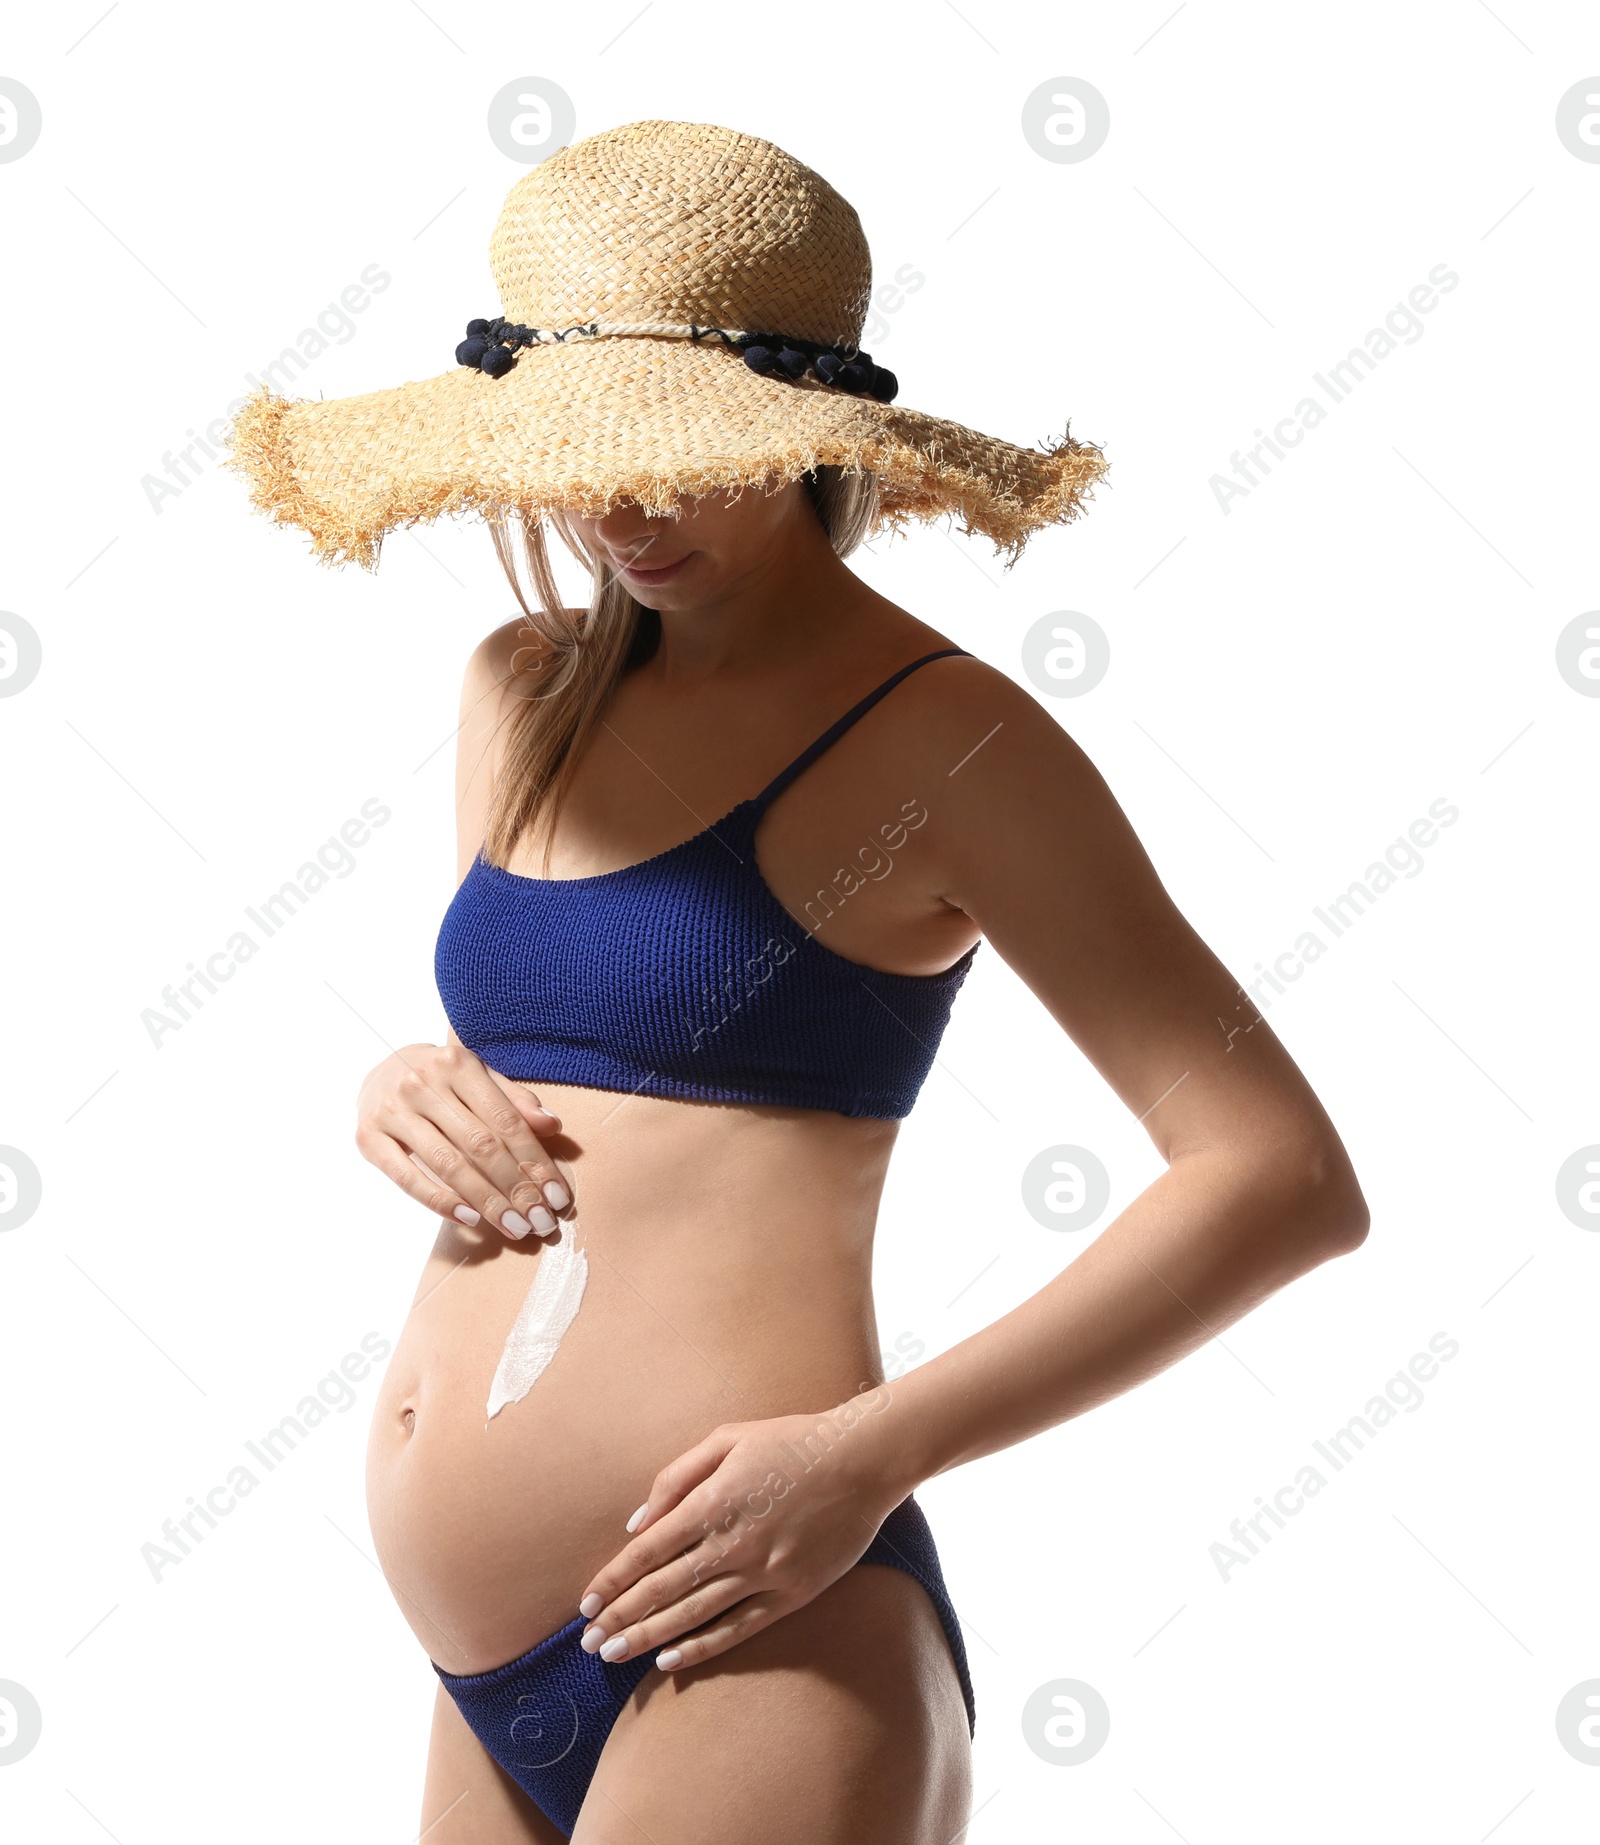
(700, 225)
(615, 258)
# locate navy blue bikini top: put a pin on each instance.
(683, 976)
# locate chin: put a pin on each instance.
(680, 593)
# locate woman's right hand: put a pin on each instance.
(477, 1139)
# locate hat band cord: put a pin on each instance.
(491, 347)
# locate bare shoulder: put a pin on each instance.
(501, 673)
(514, 650)
(952, 711)
(1020, 819)
(1003, 783)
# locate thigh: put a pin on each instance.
(468, 1798)
(843, 1721)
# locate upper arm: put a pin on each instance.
(1037, 851)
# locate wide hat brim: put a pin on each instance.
(582, 425)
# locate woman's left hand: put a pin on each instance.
(753, 1523)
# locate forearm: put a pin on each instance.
(1200, 1247)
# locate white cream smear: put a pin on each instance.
(548, 1310)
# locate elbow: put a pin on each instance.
(1330, 1202)
(1297, 1203)
(1351, 1224)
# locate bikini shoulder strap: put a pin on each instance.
(834, 732)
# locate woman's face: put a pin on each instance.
(711, 544)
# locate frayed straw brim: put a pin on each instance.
(578, 427)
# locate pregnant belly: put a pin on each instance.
(729, 1263)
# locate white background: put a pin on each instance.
(1293, 682)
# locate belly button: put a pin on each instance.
(408, 1417)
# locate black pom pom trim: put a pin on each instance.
(845, 368)
(492, 347)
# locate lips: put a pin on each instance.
(656, 573)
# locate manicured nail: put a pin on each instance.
(673, 1656)
(464, 1214)
(514, 1223)
(557, 1196)
(593, 1639)
(590, 1606)
(543, 1222)
(613, 1650)
(638, 1517)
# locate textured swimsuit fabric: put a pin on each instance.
(684, 977)
(545, 1717)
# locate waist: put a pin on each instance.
(701, 1160)
(748, 1231)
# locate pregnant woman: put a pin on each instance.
(728, 841)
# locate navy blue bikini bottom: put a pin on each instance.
(545, 1717)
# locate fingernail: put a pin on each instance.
(464, 1214)
(638, 1517)
(543, 1222)
(557, 1196)
(515, 1223)
(613, 1650)
(590, 1606)
(673, 1656)
(593, 1639)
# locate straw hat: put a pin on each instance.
(681, 310)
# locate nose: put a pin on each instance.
(627, 531)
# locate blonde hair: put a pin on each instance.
(573, 660)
